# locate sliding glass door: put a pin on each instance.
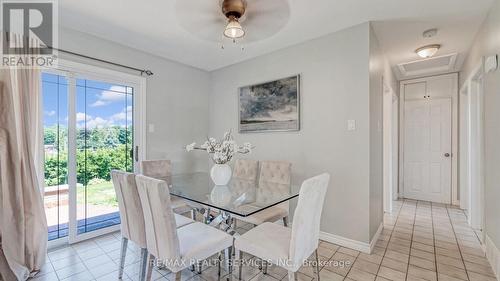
(90, 128)
(56, 189)
(104, 142)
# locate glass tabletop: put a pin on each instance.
(239, 197)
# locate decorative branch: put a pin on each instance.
(222, 151)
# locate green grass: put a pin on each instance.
(98, 194)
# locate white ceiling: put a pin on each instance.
(400, 37)
(152, 26)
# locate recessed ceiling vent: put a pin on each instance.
(429, 66)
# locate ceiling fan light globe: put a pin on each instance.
(234, 30)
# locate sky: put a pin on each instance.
(98, 104)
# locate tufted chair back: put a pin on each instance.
(161, 230)
(245, 169)
(307, 218)
(275, 177)
(158, 169)
(275, 172)
(268, 192)
(129, 204)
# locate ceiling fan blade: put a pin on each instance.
(201, 18)
(204, 18)
(263, 6)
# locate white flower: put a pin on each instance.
(190, 147)
(205, 145)
(222, 150)
(247, 147)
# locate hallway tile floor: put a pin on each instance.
(420, 241)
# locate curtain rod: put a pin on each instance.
(142, 71)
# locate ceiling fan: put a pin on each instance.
(234, 10)
(242, 20)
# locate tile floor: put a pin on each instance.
(420, 241)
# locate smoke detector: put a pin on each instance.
(430, 33)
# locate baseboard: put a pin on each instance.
(345, 242)
(493, 255)
(352, 244)
(376, 237)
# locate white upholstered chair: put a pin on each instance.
(246, 169)
(132, 219)
(290, 247)
(177, 248)
(274, 176)
(162, 169)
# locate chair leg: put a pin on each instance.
(265, 267)
(240, 260)
(200, 265)
(317, 263)
(178, 276)
(219, 262)
(123, 253)
(285, 221)
(193, 214)
(292, 276)
(144, 264)
(151, 261)
(207, 216)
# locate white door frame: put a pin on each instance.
(70, 69)
(389, 102)
(454, 137)
(474, 182)
(395, 147)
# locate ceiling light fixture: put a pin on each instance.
(233, 29)
(427, 51)
(234, 10)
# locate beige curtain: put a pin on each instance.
(23, 226)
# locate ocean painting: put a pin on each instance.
(270, 106)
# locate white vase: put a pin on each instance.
(220, 195)
(221, 174)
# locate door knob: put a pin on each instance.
(447, 154)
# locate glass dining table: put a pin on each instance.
(221, 204)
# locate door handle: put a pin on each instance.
(447, 154)
(136, 153)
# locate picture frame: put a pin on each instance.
(272, 106)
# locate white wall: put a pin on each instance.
(335, 87)
(376, 73)
(380, 72)
(487, 43)
(177, 97)
(341, 79)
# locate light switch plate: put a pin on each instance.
(351, 125)
(151, 128)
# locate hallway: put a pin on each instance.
(423, 240)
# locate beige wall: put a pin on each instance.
(177, 97)
(487, 43)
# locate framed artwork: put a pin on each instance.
(270, 106)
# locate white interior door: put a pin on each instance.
(427, 150)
